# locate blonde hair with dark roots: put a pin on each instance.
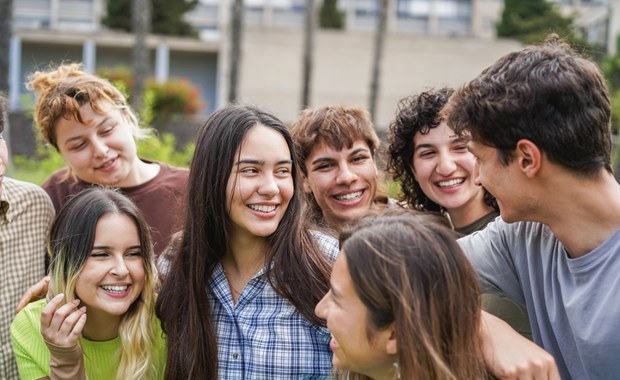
(408, 269)
(71, 239)
(66, 88)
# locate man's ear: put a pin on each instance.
(391, 347)
(529, 157)
(305, 183)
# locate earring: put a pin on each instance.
(396, 370)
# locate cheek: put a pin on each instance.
(287, 189)
(421, 170)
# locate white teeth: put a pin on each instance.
(452, 182)
(350, 196)
(114, 288)
(262, 208)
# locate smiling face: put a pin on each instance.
(260, 185)
(356, 344)
(102, 150)
(445, 169)
(343, 182)
(113, 275)
(504, 181)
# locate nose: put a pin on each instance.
(319, 309)
(269, 186)
(100, 148)
(446, 164)
(119, 267)
(345, 175)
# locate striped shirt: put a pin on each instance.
(26, 214)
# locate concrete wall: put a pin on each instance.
(272, 64)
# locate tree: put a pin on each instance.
(167, 16)
(377, 57)
(236, 28)
(141, 24)
(309, 30)
(6, 15)
(330, 16)
(530, 21)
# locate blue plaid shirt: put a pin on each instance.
(263, 336)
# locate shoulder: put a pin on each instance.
(172, 171)
(29, 194)
(170, 179)
(28, 319)
(328, 244)
(57, 177)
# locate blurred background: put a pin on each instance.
(179, 60)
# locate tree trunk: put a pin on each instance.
(6, 16)
(309, 30)
(236, 27)
(377, 57)
(141, 25)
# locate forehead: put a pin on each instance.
(440, 133)
(263, 140)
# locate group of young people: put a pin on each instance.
(256, 285)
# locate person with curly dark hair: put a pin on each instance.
(433, 165)
(437, 173)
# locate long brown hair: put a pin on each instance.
(409, 270)
(298, 270)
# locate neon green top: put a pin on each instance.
(100, 358)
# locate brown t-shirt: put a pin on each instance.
(161, 199)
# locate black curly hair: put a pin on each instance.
(417, 113)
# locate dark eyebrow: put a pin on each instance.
(261, 162)
(457, 139)
(422, 146)
(322, 159)
(359, 150)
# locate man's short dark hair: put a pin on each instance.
(545, 93)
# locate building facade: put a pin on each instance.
(429, 43)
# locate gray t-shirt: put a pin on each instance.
(573, 304)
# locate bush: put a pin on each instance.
(176, 96)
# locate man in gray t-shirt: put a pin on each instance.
(539, 125)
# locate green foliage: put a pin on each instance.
(176, 96)
(530, 21)
(330, 17)
(167, 17)
(163, 149)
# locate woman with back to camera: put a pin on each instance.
(438, 173)
(404, 302)
(88, 121)
(238, 296)
(99, 321)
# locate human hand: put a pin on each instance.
(36, 292)
(61, 325)
(508, 355)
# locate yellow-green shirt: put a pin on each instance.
(100, 358)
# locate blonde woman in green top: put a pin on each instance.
(99, 321)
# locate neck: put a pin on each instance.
(582, 213)
(471, 211)
(101, 328)
(140, 173)
(245, 258)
